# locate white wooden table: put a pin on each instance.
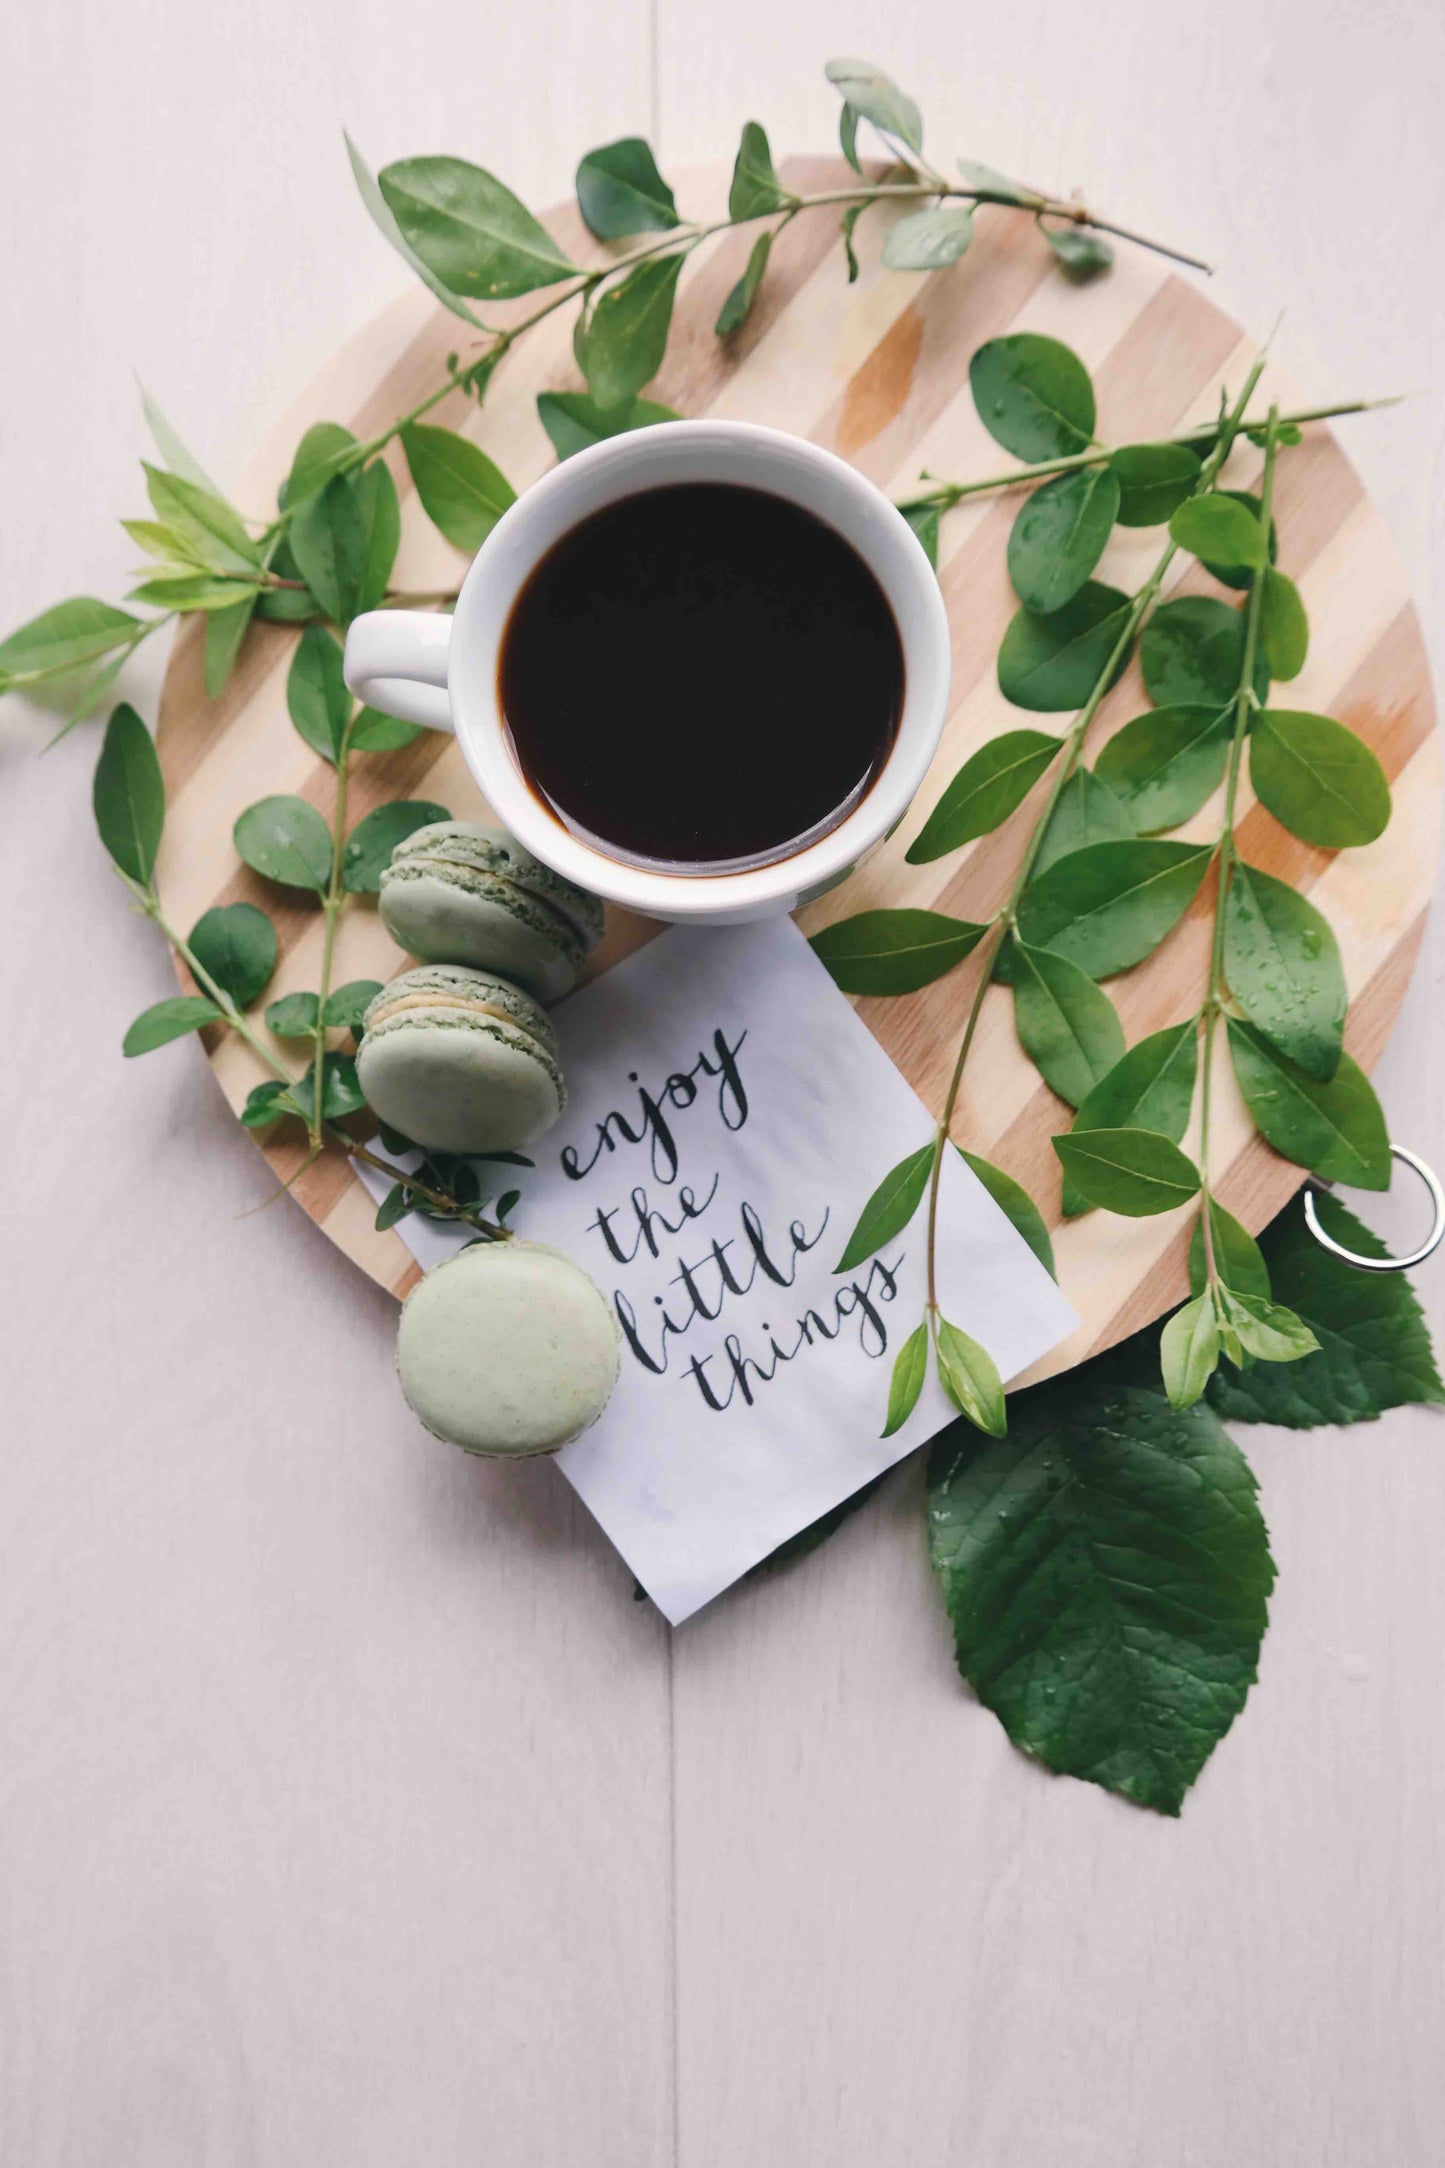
(351, 1815)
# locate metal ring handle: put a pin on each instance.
(1384, 1264)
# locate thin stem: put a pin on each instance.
(1244, 704)
(436, 1198)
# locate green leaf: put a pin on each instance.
(1318, 779)
(1237, 1256)
(1284, 626)
(63, 638)
(381, 532)
(1033, 395)
(1149, 1087)
(1106, 1571)
(1189, 1350)
(129, 795)
(1153, 479)
(1087, 811)
(1240, 573)
(848, 140)
(168, 1020)
(1218, 527)
(294, 1016)
(889, 1209)
(326, 450)
(1053, 663)
(1134, 1171)
(620, 191)
(1017, 1206)
(372, 841)
(341, 1094)
(1374, 1345)
(924, 520)
(756, 188)
(462, 492)
(738, 307)
(373, 732)
(394, 1206)
(627, 335)
(214, 534)
(874, 96)
(171, 449)
(991, 784)
(1283, 966)
(1192, 653)
(286, 840)
(1265, 1329)
(264, 1104)
(573, 420)
(894, 952)
(969, 1376)
(1336, 1129)
(850, 219)
(996, 184)
(346, 1005)
(1168, 763)
(1083, 253)
(386, 224)
(910, 1368)
(329, 536)
(1109, 906)
(76, 693)
(1066, 1025)
(469, 230)
(1059, 537)
(316, 694)
(929, 240)
(235, 944)
(191, 591)
(225, 630)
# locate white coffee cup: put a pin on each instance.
(442, 671)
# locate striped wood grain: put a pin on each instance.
(878, 372)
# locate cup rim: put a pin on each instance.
(892, 552)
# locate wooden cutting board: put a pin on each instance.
(879, 373)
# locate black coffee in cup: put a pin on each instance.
(701, 678)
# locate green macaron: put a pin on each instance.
(460, 1061)
(458, 893)
(507, 1349)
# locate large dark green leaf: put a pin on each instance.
(1153, 479)
(1086, 811)
(286, 840)
(380, 531)
(1110, 905)
(128, 795)
(620, 191)
(329, 537)
(1107, 1573)
(1374, 1350)
(574, 421)
(1033, 395)
(1149, 1087)
(894, 952)
(372, 841)
(1317, 778)
(1052, 664)
(470, 230)
(1059, 536)
(1283, 966)
(1336, 1129)
(889, 1209)
(1014, 1201)
(1167, 763)
(1192, 653)
(462, 491)
(989, 786)
(627, 333)
(1066, 1025)
(1134, 1171)
(756, 188)
(316, 695)
(235, 944)
(929, 240)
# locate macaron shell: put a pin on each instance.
(494, 850)
(456, 915)
(507, 1350)
(462, 986)
(459, 1083)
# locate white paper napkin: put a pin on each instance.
(728, 1117)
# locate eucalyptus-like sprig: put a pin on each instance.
(1098, 886)
(328, 549)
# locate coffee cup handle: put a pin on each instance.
(396, 660)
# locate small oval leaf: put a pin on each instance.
(894, 952)
(991, 784)
(889, 1209)
(286, 839)
(1034, 396)
(1318, 779)
(1134, 1171)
